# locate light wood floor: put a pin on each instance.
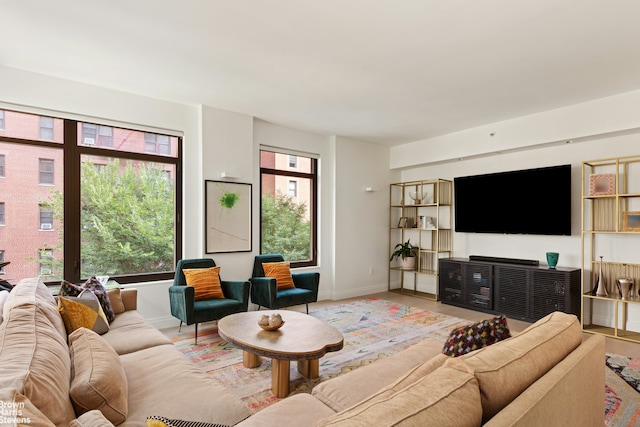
(615, 346)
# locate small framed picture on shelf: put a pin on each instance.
(602, 184)
(402, 223)
(631, 221)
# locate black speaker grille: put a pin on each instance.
(511, 292)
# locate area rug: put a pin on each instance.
(372, 328)
(622, 391)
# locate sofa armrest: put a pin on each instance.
(129, 298)
(181, 299)
(237, 290)
(263, 290)
(307, 281)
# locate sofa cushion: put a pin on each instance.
(115, 298)
(162, 381)
(344, 391)
(98, 380)
(129, 332)
(83, 311)
(472, 337)
(17, 406)
(93, 418)
(34, 360)
(281, 271)
(205, 282)
(445, 397)
(294, 411)
(505, 370)
(93, 285)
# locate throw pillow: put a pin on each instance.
(156, 421)
(3, 298)
(115, 298)
(206, 282)
(475, 336)
(281, 271)
(83, 311)
(73, 290)
(98, 379)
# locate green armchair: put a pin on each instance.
(265, 293)
(187, 310)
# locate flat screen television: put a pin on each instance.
(531, 201)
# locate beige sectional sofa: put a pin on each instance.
(131, 372)
(548, 375)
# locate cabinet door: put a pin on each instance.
(478, 285)
(554, 291)
(450, 281)
(511, 289)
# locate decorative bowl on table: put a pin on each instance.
(271, 323)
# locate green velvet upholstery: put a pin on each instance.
(189, 311)
(265, 293)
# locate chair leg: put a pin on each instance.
(259, 307)
(196, 333)
(307, 308)
(179, 327)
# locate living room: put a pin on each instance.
(353, 223)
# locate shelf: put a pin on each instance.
(435, 198)
(604, 215)
(418, 294)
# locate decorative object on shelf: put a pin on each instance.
(631, 221)
(407, 254)
(421, 222)
(552, 259)
(418, 197)
(602, 184)
(601, 288)
(430, 223)
(625, 285)
(271, 323)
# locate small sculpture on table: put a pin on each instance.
(271, 323)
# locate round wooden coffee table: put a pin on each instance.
(302, 338)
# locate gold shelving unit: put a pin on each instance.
(610, 211)
(425, 219)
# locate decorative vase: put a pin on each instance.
(552, 259)
(601, 288)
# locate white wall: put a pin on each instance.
(536, 141)
(361, 217)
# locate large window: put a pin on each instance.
(289, 207)
(111, 208)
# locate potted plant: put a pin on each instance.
(407, 254)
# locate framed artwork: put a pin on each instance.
(631, 221)
(227, 217)
(602, 184)
(402, 223)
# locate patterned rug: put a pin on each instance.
(622, 391)
(372, 329)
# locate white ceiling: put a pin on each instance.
(388, 71)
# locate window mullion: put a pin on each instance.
(71, 202)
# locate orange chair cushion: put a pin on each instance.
(281, 271)
(206, 282)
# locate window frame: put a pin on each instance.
(312, 176)
(72, 153)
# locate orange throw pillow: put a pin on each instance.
(280, 271)
(206, 282)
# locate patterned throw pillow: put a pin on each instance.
(92, 284)
(206, 282)
(156, 421)
(83, 311)
(475, 336)
(281, 271)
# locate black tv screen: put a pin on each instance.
(532, 201)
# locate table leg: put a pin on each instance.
(250, 360)
(309, 369)
(280, 377)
